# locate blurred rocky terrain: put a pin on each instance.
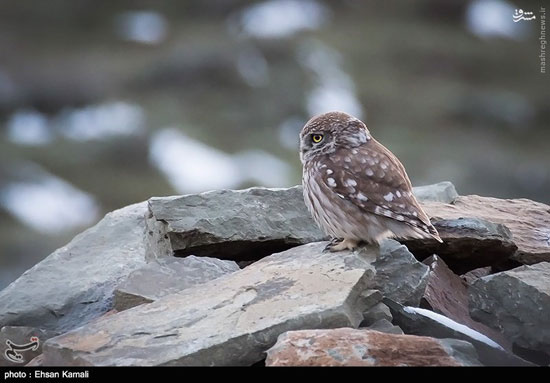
(105, 106)
(242, 277)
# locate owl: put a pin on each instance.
(355, 188)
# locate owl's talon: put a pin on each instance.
(333, 242)
(346, 244)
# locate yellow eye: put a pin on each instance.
(317, 138)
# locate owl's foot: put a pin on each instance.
(333, 242)
(346, 244)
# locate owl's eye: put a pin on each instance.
(316, 138)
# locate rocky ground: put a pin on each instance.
(242, 278)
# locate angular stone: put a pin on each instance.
(447, 294)
(469, 243)
(167, 276)
(517, 302)
(75, 283)
(376, 313)
(36, 361)
(441, 192)
(19, 336)
(528, 221)
(471, 276)
(399, 276)
(231, 320)
(384, 325)
(350, 347)
(233, 224)
(424, 322)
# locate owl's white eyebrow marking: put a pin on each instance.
(361, 197)
(389, 197)
(350, 182)
(398, 194)
(331, 182)
(329, 171)
(369, 172)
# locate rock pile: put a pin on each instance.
(242, 278)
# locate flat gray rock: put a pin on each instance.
(13, 336)
(441, 192)
(528, 221)
(376, 313)
(385, 325)
(167, 276)
(468, 243)
(517, 302)
(231, 320)
(232, 224)
(399, 276)
(75, 283)
(424, 322)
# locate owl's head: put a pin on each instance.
(328, 132)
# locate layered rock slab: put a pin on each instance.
(417, 321)
(231, 320)
(351, 347)
(75, 283)
(516, 302)
(167, 276)
(528, 221)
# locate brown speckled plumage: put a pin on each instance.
(354, 187)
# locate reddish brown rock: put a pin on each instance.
(528, 221)
(350, 347)
(447, 294)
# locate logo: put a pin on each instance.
(13, 352)
(520, 15)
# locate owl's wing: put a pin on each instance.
(372, 178)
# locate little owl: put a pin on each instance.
(355, 188)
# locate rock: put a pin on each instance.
(441, 192)
(231, 320)
(469, 243)
(517, 302)
(19, 336)
(471, 276)
(231, 224)
(528, 221)
(36, 362)
(399, 276)
(424, 322)
(350, 347)
(166, 276)
(447, 294)
(384, 325)
(377, 312)
(75, 283)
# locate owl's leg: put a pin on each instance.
(349, 244)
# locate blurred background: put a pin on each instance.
(103, 104)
